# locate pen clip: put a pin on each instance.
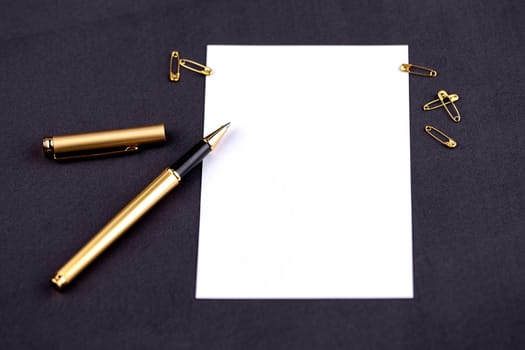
(445, 140)
(445, 101)
(418, 70)
(85, 154)
(434, 104)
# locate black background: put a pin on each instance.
(76, 66)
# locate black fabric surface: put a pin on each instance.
(80, 66)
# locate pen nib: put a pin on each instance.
(214, 138)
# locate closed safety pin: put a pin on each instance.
(175, 76)
(445, 140)
(445, 101)
(437, 102)
(186, 63)
(189, 64)
(418, 70)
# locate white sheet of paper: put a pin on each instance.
(308, 194)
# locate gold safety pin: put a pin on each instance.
(434, 104)
(418, 70)
(445, 101)
(84, 155)
(447, 141)
(175, 56)
(188, 64)
(201, 68)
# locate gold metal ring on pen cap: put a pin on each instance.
(47, 145)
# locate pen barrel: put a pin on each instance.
(130, 214)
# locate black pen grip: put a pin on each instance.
(191, 159)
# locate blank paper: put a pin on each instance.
(308, 194)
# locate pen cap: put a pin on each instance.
(100, 143)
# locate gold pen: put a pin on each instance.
(132, 212)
